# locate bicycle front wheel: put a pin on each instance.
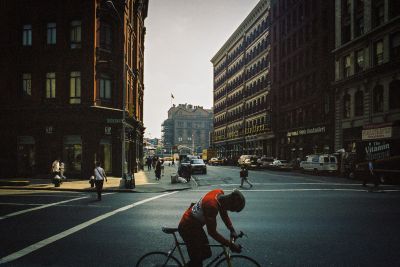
(158, 259)
(238, 261)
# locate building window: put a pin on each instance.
(76, 32)
(394, 94)
(394, 8)
(395, 46)
(346, 33)
(346, 106)
(360, 60)
(50, 85)
(75, 87)
(359, 29)
(346, 67)
(51, 33)
(359, 103)
(27, 84)
(378, 98)
(378, 12)
(27, 35)
(105, 36)
(105, 87)
(378, 52)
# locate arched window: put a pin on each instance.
(378, 98)
(346, 106)
(359, 103)
(394, 94)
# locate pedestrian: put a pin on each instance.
(55, 167)
(244, 173)
(157, 170)
(173, 162)
(148, 163)
(162, 167)
(371, 175)
(205, 212)
(100, 176)
(62, 170)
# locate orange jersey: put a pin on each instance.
(205, 212)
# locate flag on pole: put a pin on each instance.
(172, 96)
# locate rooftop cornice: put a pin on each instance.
(261, 7)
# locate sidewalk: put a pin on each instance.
(144, 180)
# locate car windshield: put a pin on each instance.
(197, 161)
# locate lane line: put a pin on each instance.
(54, 238)
(305, 189)
(44, 206)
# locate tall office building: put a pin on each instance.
(242, 100)
(302, 71)
(367, 75)
(69, 69)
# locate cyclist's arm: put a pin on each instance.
(211, 223)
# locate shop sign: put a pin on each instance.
(377, 133)
(111, 121)
(374, 150)
(314, 130)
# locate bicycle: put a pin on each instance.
(159, 258)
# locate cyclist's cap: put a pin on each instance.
(238, 200)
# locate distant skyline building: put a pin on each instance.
(188, 127)
(367, 74)
(64, 66)
(242, 99)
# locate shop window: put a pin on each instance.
(27, 35)
(359, 103)
(25, 155)
(72, 153)
(105, 154)
(394, 94)
(346, 106)
(378, 98)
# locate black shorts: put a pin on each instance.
(196, 241)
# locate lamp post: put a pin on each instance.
(123, 160)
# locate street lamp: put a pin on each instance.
(123, 160)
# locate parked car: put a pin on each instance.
(251, 162)
(216, 161)
(243, 158)
(198, 165)
(280, 164)
(264, 162)
(320, 163)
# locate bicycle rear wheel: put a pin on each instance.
(158, 259)
(238, 261)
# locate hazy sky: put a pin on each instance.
(181, 38)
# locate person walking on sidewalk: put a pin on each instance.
(371, 176)
(55, 167)
(244, 173)
(157, 170)
(100, 176)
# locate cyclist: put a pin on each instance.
(205, 212)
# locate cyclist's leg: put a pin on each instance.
(196, 242)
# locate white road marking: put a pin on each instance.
(43, 207)
(54, 238)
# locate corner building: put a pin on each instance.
(64, 66)
(367, 74)
(302, 71)
(242, 101)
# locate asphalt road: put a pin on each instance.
(290, 219)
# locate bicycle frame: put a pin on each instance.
(225, 252)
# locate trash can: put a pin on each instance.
(129, 181)
(174, 178)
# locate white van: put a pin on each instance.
(320, 163)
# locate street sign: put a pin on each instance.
(114, 121)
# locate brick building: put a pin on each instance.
(302, 69)
(62, 85)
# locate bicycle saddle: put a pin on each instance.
(168, 230)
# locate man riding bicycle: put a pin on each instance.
(205, 212)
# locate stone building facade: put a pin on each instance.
(242, 99)
(64, 66)
(367, 73)
(187, 129)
